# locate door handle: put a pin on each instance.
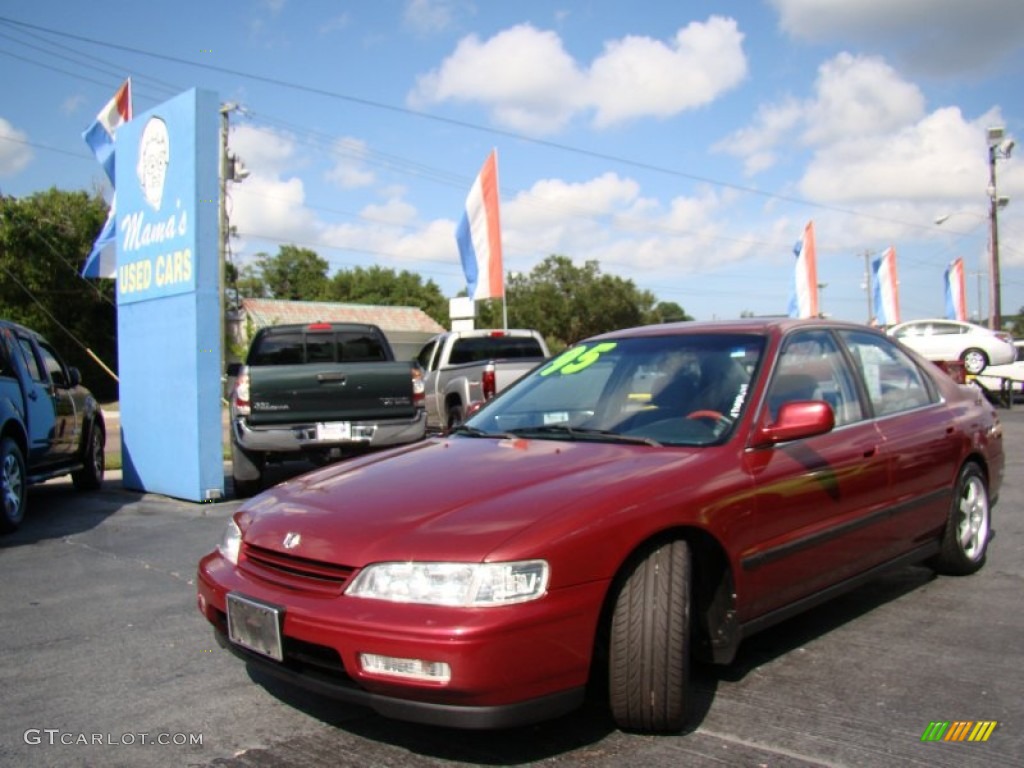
(338, 378)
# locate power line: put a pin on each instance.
(639, 164)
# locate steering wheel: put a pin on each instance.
(721, 421)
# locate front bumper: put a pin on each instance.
(510, 666)
(296, 438)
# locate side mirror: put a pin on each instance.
(795, 421)
(74, 377)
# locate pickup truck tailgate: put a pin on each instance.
(329, 392)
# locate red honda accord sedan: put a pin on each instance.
(647, 497)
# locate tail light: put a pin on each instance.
(489, 382)
(241, 393)
(419, 389)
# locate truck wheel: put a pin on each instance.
(12, 485)
(454, 415)
(90, 476)
(649, 648)
(246, 471)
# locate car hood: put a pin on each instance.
(449, 499)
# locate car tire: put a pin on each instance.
(246, 471)
(90, 476)
(649, 642)
(968, 527)
(975, 360)
(12, 486)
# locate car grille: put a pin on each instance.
(298, 573)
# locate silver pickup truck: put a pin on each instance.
(465, 367)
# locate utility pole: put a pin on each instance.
(867, 287)
(229, 171)
(999, 148)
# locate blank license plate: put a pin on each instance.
(334, 430)
(255, 625)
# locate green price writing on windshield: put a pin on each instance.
(576, 359)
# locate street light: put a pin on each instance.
(999, 148)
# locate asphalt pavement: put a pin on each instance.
(105, 660)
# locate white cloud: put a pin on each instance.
(858, 96)
(271, 202)
(937, 36)
(530, 83)
(271, 209)
(427, 17)
(265, 152)
(607, 219)
(640, 76)
(349, 170)
(523, 75)
(854, 97)
(395, 212)
(871, 138)
(15, 154)
(940, 157)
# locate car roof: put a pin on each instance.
(19, 327)
(754, 325)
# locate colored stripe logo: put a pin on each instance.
(959, 730)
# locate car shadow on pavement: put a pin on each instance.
(55, 510)
(514, 746)
(788, 636)
(592, 725)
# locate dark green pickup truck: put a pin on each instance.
(322, 392)
(50, 425)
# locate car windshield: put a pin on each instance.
(681, 389)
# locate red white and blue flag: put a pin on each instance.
(804, 302)
(479, 235)
(887, 289)
(956, 291)
(99, 136)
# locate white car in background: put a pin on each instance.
(1006, 378)
(975, 346)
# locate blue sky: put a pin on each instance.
(683, 146)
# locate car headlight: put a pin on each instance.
(461, 584)
(231, 542)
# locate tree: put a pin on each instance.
(385, 287)
(44, 242)
(1015, 324)
(295, 274)
(247, 282)
(666, 312)
(567, 303)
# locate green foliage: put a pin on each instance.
(44, 242)
(567, 303)
(1015, 324)
(295, 274)
(385, 287)
(45, 239)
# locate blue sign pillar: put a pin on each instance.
(168, 299)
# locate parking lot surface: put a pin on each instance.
(106, 661)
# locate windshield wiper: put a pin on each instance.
(576, 433)
(463, 429)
